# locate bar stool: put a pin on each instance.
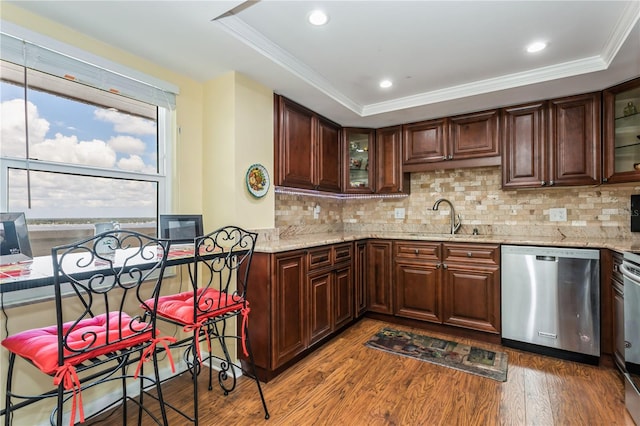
(207, 311)
(101, 333)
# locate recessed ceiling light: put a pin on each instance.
(318, 17)
(386, 83)
(536, 47)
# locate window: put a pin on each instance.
(75, 151)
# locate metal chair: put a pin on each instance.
(209, 309)
(97, 282)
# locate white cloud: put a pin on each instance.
(12, 136)
(124, 123)
(127, 144)
(67, 149)
(133, 163)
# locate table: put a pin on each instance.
(39, 271)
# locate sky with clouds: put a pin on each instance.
(67, 131)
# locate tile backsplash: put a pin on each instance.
(601, 211)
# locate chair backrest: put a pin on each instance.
(221, 269)
(96, 281)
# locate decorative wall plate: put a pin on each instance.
(257, 180)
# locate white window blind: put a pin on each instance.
(31, 55)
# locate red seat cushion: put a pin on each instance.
(40, 345)
(179, 307)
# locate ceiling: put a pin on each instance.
(444, 57)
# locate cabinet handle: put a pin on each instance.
(543, 183)
(550, 183)
(627, 344)
(469, 254)
(444, 266)
(615, 268)
(438, 265)
(416, 251)
(450, 157)
(605, 180)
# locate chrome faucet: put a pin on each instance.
(454, 226)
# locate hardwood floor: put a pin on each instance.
(347, 383)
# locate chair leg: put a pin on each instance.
(7, 399)
(140, 395)
(124, 394)
(163, 410)
(255, 374)
(196, 369)
(60, 407)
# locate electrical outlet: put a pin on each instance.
(558, 215)
(399, 213)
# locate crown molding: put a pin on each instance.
(236, 27)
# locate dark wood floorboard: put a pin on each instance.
(347, 383)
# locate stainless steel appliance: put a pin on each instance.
(551, 301)
(631, 272)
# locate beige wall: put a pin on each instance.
(238, 132)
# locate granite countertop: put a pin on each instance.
(314, 240)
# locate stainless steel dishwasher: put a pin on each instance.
(551, 301)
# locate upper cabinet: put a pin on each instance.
(552, 143)
(621, 120)
(469, 140)
(374, 161)
(360, 167)
(390, 177)
(307, 148)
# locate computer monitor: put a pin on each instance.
(14, 239)
(180, 228)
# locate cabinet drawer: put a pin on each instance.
(319, 258)
(616, 261)
(342, 253)
(417, 251)
(485, 254)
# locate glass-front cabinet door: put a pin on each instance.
(358, 145)
(622, 133)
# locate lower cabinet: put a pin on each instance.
(297, 299)
(418, 285)
(360, 278)
(380, 276)
(330, 284)
(455, 284)
(303, 297)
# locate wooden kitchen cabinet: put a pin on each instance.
(469, 140)
(343, 310)
(290, 334)
(418, 287)
(524, 145)
(574, 133)
(320, 289)
(360, 278)
(330, 290)
(453, 284)
(471, 296)
(359, 167)
(380, 276)
(389, 176)
(621, 144)
(278, 300)
(308, 148)
(552, 143)
(298, 298)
